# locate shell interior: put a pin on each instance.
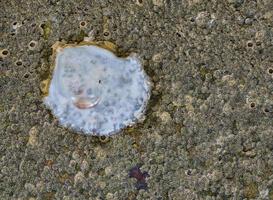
(95, 92)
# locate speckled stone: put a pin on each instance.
(208, 68)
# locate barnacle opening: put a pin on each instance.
(4, 53)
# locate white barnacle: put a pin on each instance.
(95, 92)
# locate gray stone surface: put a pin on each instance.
(209, 127)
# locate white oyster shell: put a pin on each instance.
(95, 92)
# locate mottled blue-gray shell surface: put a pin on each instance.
(95, 92)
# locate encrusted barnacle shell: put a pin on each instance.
(95, 92)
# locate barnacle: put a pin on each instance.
(95, 92)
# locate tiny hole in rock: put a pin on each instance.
(178, 34)
(5, 52)
(106, 34)
(103, 139)
(258, 43)
(188, 172)
(252, 105)
(32, 44)
(83, 23)
(42, 26)
(26, 75)
(266, 110)
(19, 63)
(140, 1)
(14, 23)
(270, 71)
(250, 44)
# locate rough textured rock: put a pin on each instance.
(208, 132)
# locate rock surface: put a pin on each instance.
(208, 132)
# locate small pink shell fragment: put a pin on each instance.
(85, 102)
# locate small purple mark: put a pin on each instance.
(136, 173)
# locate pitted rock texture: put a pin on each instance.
(208, 129)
